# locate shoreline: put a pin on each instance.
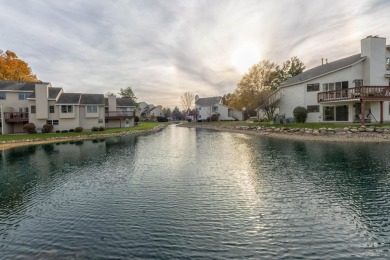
(351, 137)
(25, 142)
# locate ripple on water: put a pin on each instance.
(187, 194)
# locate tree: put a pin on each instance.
(167, 112)
(13, 68)
(261, 80)
(127, 93)
(176, 114)
(288, 70)
(248, 91)
(187, 99)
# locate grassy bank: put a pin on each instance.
(143, 126)
(290, 125)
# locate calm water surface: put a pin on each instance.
(195, 194)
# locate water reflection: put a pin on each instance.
(187, 193)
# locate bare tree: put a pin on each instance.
(187, 99)
(269, 102)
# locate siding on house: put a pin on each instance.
(368, 66)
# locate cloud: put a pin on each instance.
(164, 48)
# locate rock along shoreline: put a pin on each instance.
(362, 134)
(4, 145)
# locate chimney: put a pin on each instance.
(322, 61)
(326, 61)
(373, 48)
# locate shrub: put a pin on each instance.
(300, 114)
(101, 128)
(58, 131)
(71, 130)
(47, 128)
(64, 131)
(78, 129)
(136, 119)
(29, 128)
(95, 129)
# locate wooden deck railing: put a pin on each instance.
(365, 92)
(16, 117)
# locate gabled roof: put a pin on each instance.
(92, 99)
(323, 69)
(209, 101)
(124, 102)
(18, 86)
(121, 102)
(69, 98)
(53, 93)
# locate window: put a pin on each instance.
(313, 87)
(52, 122)
(33, 109)
(358, 83)
(51, 109)
(100, 120)
(66, 109)
(215, 108)
(23, 95)
(313, 109)
(337, 113)
(387, 63)
(2, 95)
(91, 109)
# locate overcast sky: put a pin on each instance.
(165, 48)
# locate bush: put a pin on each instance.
(95, 129)
(300, 114)
(29, 128)
(47, 128)
(71, 130)
(58, 131)
(101, 128)
(78, 129)
(64, 131)
(136, 119)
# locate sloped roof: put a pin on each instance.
(124, 102)
(209, 101)
(323, 69)
(18, 86)
(92, 99)
(69, 98)
(53, 93)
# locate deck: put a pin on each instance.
(366, 93)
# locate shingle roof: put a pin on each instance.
(53, 93)
(209, 101)
(323, 69)
(92, 99)
(124, 102)
(18, 86)
(69, 98)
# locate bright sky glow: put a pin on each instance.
(164, 48)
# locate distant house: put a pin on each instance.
(40, 103)
(211, 108)
(351, 89)
(151, 112)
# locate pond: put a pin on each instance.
(195, 194)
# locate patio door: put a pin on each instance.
(342, 113)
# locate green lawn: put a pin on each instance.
(290, 125)
(143, 126)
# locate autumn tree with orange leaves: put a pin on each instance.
(13, 68)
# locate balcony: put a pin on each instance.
(119, 114)
(16, 117)
(367, 93)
